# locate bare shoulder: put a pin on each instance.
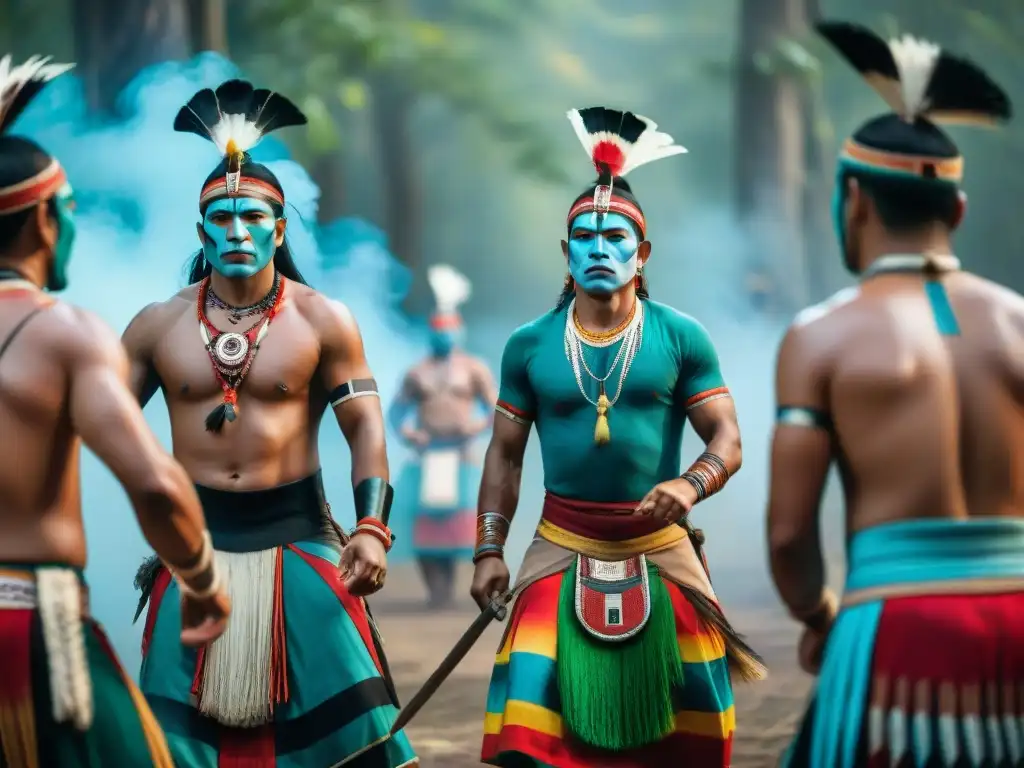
(153, 319)
(82, 337)
(330, 318)
(813, 334)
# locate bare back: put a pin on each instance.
(280, 403)
(40, 499)
(925, 425)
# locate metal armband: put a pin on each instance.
(373, 497)
(491, 532)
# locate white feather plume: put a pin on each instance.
(451, 288)
(235, 128)
(13, 79)
(915, 61)
(652, 145)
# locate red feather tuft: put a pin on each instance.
(610, 155)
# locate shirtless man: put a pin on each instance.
(300, 677)
(64, 698)
(914, 383)
(444, 393)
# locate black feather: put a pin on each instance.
(21, 100)
(145, 579)
(269, 111)
(960, 87)
(223, 412)
(863, 49)
(601, 119)
(199, 115)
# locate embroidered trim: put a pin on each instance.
(661, 539)
(247, 187)
(513, 413)
(615, 205)
(25, 194)
(627, 583)
(707, 396)
(942, 168)
(800, 416)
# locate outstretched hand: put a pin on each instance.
(669, 501)
(364, 564)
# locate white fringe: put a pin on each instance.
(60, 609)
(236, 673)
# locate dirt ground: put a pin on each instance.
(446, 733)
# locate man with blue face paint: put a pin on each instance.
(300, 678)
(437, 413)
(912, 383)
(617, 653)
(64, 698)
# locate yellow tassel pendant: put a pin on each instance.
(602, 434)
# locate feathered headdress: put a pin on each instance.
(235, 117)
(451, 290)
(617, 142)
(924, 85)
(18, 86)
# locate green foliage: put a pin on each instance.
(330, 51)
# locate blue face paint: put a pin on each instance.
(239, 234)
(602, 252)
(57, 279)
(444, 340)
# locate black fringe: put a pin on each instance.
(743, 660)
(145, 579)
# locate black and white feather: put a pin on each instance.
(236, 115)
(20, 84)
(919, 79)
(618, 142)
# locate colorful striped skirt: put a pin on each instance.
(524, 721)
(929, 680)
(324, 677)
(120, 729)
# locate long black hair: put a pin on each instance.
(198, 267)
(622, 189)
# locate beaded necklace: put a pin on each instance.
(232, 354)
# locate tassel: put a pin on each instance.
(602, 433)
(226, 411)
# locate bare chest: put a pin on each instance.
(284, 362)
(448, 380)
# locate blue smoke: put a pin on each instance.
(137, 186)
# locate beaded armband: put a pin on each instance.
(204, 564)
(373, 497)
(800, 416)
(491, 533)
(708, 475)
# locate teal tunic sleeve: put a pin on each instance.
(516, 397)
(700, 376)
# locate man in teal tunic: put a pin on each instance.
(616, 653)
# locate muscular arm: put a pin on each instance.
(342, 360)
(486, 393)
(715, 423)
(138, 342)
(800, 458)
(107, 417)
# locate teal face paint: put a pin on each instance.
(63, 203)
(602, 252)
(239, 236)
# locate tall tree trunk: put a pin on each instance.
(115, 39)
(392, 111)
(208, 26)
(328, 171)
(771, 150)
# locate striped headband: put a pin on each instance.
(31, 191)
(243, 186)
(615, 204)
(941, 168)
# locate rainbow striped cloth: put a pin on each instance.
(524, 716)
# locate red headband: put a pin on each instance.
(25, 194)
(615, 205)
(247, 186)
(445, 322)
